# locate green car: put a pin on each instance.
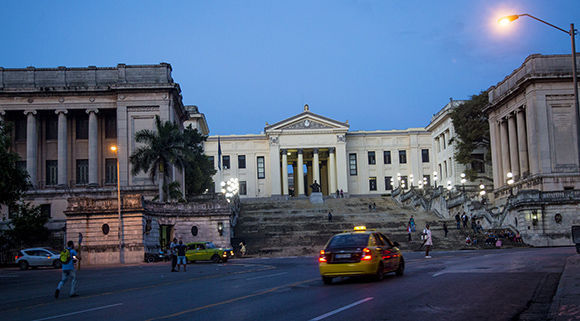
(207, 251)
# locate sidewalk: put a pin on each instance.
(566, 302)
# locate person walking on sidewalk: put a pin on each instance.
(428, 241)
(173, 249)
(68, 259)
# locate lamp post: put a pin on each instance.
(399, 179)
(411, 180)
(463, 180)
(115, 150)
(572, 33)
(449, 186)
(510, 181)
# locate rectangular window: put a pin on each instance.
(45, 210)
(372, 183)
(225, 161)
(352, 164)
(426, 180)
(111, 126)
(261, 167)
(387, 157)
(210, 159)
(425, 155)
(388, 183)
(402, 157)
(82, 171)
(111, 171)
(241, 161)
(243, 188)
(372, 158)
(20, 129)
(82, 127)
(477, 164)
(51, 128)
(51, 172)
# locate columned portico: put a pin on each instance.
(31, 145)
(93, 146)
(62, 147)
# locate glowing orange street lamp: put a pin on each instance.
(115, 150)
(572, 33)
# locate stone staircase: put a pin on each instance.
(297, 227)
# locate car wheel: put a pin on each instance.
(327, 280)
(150, 259)
(23, 265)
(224, 259)
(380, 272)
(57, 264)
(401, 268)
(215, 258)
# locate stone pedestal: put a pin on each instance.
(316, 198)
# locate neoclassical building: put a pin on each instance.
(66, 119)
(294, 153)
(443, 137)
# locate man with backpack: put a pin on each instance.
(68, 258)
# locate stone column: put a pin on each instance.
(505, 153)
(31, 146)
(275, 173)
(62, 147)
(331, 170)
(93, 147)
(522, 142)
(315, 167)
(513, 143)
(300, 171)
(285, 172)
(341, 166)
(495, 152)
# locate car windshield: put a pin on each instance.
(349, 240)
(210, 245)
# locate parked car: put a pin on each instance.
(207, 251)
(38, 256)
(157, 257)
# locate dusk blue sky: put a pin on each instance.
(380, 65)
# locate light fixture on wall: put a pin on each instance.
(435, 179)
(220, 228)
(534, 218)
(463, 180)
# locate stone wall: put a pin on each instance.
(89, 216)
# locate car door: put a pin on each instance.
(44, 257)
(36, 257)
(392, 253)
(200, 252)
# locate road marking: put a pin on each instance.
(346, 307)
(265, 276)
(79, 312)
(232, 300)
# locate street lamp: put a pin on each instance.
(115, 150)
(399, 179)
(463, 180)
(572, 33)
(510, 181)
(411, 180)
(230, 188)
(449, 186)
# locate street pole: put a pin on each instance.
(575, 82)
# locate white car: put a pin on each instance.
(38, 256)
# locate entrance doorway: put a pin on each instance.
(165, 236)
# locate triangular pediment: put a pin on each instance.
(306, 121)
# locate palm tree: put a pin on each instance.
(161, 148)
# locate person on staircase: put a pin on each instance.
(445, 228)
(458, 220)
(412, 223)
(409, 232)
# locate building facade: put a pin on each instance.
(296, 152)
(66, 119)
(443, 145)
(534, 135)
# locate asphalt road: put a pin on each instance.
(461, 285)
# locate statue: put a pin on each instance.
(315, 187)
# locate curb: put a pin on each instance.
(566, 301)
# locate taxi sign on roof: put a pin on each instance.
(360, 228)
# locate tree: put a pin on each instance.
(198, 167)
(13, 180)
(472, 129)
(27, 226)
(162, 147)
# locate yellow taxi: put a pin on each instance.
(360, 252)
